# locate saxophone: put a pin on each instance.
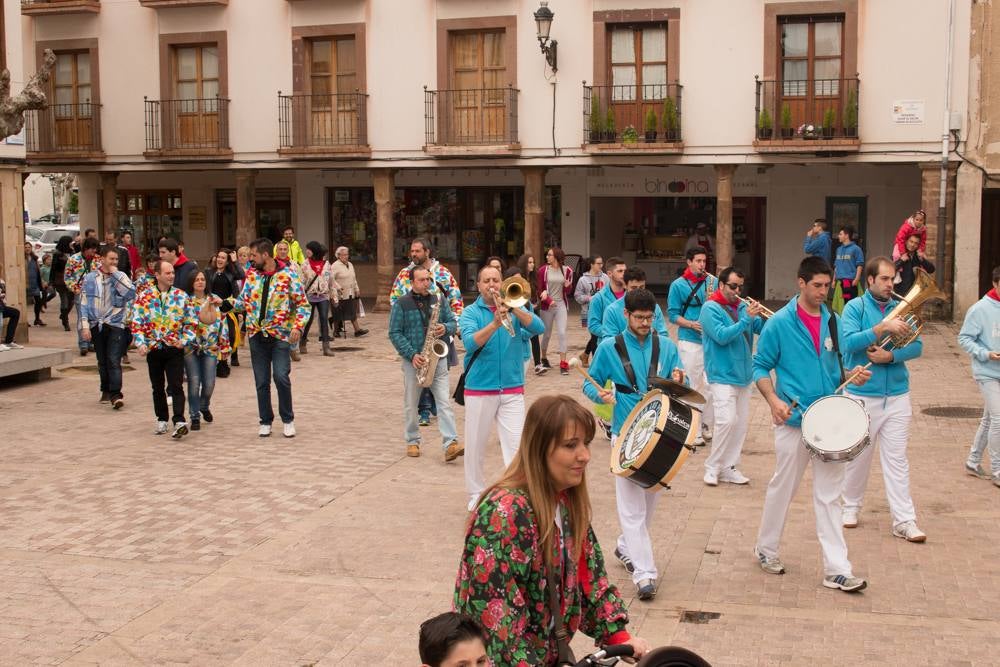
(434, 349)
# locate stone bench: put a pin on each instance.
(35, 360)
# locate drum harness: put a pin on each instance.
(627, 365)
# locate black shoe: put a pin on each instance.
(39, 323)
(222, 371)
(105, 397)
(360, 332)
(207, 416)
(234, 360)
(83, 352)
(545, 362)
(117, 401)
(195, 424)
(65, 327)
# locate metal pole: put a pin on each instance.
(945, 146)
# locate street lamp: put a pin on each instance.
(543, 21)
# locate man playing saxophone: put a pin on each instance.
(413, 331)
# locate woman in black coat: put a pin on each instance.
(222, 279)
(58, 277)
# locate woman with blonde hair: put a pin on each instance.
(530, 535)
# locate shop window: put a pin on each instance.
(150, 216)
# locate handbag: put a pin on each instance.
(459, 394)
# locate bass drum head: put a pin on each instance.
(834, 424)
(650, 449)
(648, 416)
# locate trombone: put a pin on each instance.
(514, 293)
(765, 312)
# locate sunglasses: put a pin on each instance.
(734, 286)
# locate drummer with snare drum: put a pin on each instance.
(647, 354)
(801, 345)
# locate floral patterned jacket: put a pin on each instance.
(441, 278)
(286, 308)
(162, 319)
(502, 583)
(212, 338)
(77, 266)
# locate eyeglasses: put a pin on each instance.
(736, 287)
(642, 318)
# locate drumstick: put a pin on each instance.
(853, 377)
(575, 363)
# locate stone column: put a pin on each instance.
(109, 213)
(724, 250)
(534, 212)
(383, 181)
(930, 189)
(968, 227)
(246, 207)
(12, 246)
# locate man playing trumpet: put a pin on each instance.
(408, 322)
(494, 375)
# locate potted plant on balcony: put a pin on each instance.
(671, 123)
(630, 135)
(829, 120)
(786, 122)
(765, 125)
(596, 122)
(609, 126)
(650, 127)
(851, 115)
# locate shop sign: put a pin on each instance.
(197, 218)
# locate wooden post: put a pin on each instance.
(246, 207)
(383, 181)
(724, 249)
(109, 212)
(534, 212)
(12, 246)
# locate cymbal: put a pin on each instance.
(676, 390)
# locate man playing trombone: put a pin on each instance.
(494, 375)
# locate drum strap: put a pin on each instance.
(691, 296)
(836, 344)
(627, 365)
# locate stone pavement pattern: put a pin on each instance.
(121, 547)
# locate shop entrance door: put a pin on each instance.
(749, 216)
(989, 239)
(274, 212)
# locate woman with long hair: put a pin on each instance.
(201, 357)
(223, 277)
(531, 530)
(589, 284)
(526, 266)
(64, 248)
(320, 291)
(555, 284)
(34, 287)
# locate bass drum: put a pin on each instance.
(655, 440)
(672, 656)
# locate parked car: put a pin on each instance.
(47, 219)
(46, 243)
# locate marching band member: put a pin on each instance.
(650, 354)
(684, 301)
(801, 345)
(611, 292)
(408, 322)
(728, 326)
(615, 321)
(886, 398)
(494, 384)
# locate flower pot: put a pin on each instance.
(828, 133)
(595, 137)
(787, 133)
(673, 135)
(851, 132)
(764, 132)
(609, 136)
(651, 137)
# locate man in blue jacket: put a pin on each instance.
(615, 321)
(610, 293)
(886, 397)
(494, 376)
(635, 504)
(799, 344)
(684, 301)
(728, 326)
(818, 242)
(849, 262)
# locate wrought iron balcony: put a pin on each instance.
(624, 116)
(323, 124)
(795, 113)
(42, 7)
(64, 131)
(472, 117)
(187, 128)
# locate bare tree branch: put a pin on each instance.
(32, 97)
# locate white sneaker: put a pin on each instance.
(908, 531)
(15, 346)
(733, 476)
(288, 430)
(706, 433)
(844, 583)
(180, 430)
(161, 428)
(4, 347)
(711, 478)
(849, 518)
(264, 431)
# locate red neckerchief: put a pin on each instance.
(316, 265)
(993, 294)
(719, 298)
(181, 259)
(689, 274)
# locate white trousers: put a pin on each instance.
(890, 430)
(732, 419)
(791, 459)
(507, 410)
(693, 357)
(635, 515)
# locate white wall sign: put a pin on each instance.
(908, 112)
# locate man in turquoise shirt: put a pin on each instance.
(798, 346)
(615, 321)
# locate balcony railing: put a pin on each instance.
(335, 121)
(193, 126)
(473, 117)
(785, 110)
(611, 113)
(63, 129)
(41, 7)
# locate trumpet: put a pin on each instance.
(765, 312)
(514, 293)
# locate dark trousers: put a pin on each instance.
(110, 344)
(591, 345)
(11, 316)
(320, 309)
(166, 363)
(66, 298)
(270, 356)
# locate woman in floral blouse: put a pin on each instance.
(532, 523)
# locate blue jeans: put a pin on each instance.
(110, 344)
(200, 369)
(269, 354)
(427, 405)
(988, 435)
(439, 389)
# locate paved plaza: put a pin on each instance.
(121, 547)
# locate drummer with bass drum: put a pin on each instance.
(801, 345)
(629, 360)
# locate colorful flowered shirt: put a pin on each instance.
(441, 280)
(502, 583)
(286, 308)
(161, 319)
(211, 338)
(77, 266)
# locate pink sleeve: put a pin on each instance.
(923, 238)
(904, 232)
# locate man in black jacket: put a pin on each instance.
(907, 263)
(172, 251)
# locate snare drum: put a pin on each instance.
(835, 428)
(654, 440)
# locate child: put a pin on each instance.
(915, 224)
(452, 640)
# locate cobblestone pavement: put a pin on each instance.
(121, 547)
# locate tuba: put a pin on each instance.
(910, 309)
(514, 292)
